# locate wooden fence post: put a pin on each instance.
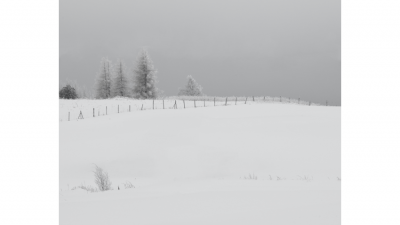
(280, 98)
(299, 100)
(68, 116)
(226, 101)
(326, 103)
(175, 106)
(253, 98)
(214, 101)
(129, 108)
(204, 102)
(93, 113)
(163, 104)
(118, 108)
(264, 98)
(80, 115)
(310, 103)
(184, 105)
(142, 106)
(235, 100)
(245, 101)
(195, 103)
(153, 103)
(106, 110)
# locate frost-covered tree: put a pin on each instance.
(103, 81)
(68, 92)
(83, 92)
(192, 88)
(119, 84)
(79, 91)
(144, 77)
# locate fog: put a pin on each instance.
(276, 48)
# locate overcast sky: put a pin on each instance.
(270, 47)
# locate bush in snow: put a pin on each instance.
(145, 77)
(81, 91)
(192, 88)
(87, 188)
(103, 80)
(68, 92)
(101, 179)
(128, 184)
(251, 177)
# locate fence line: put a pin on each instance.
(217, 101)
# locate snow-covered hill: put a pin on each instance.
(188, 165)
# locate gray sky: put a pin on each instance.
(269, 47)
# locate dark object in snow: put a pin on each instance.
(80, 115)
(68, 92)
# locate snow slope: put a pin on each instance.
(188, 165)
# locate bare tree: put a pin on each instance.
(101, 179)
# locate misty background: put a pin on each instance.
(285, 48)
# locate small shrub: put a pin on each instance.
(306, 178)
(251, 177)
(87, 188)
(101, 179)
(128, 185)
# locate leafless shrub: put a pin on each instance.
(101, 179)
(251, 177)
(306, 178)
(87, 188)
(128, 184)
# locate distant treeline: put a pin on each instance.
(115, 80)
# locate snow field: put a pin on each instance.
(207, 202)
(188, 165)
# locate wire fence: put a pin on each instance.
(73, 110)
